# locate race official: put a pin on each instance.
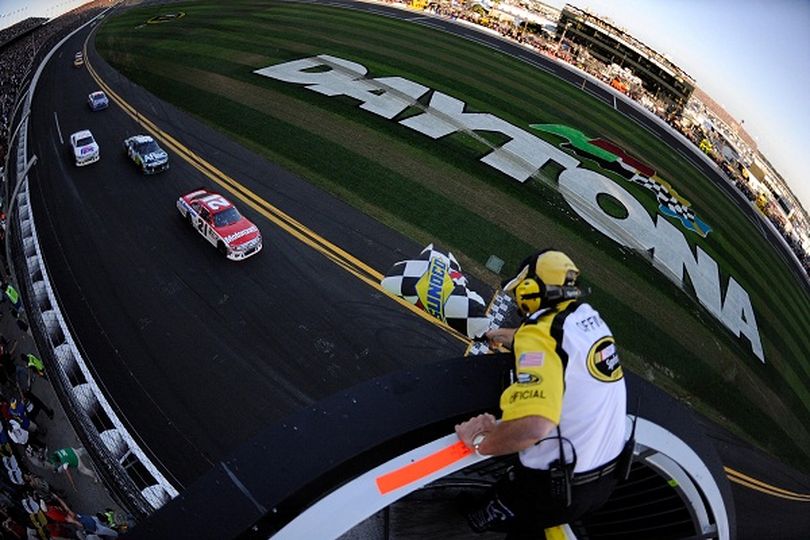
(563, 414)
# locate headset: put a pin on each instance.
(533, 292)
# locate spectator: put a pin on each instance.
(88, 523)
(38, 485)
(12, 527)
(13, 296)
(93, 525)
(33, 366)
(17, 432)
(5, 442)
(59, 516)
(33, 405)
(34, 507)
(19, 412)
(68, 458)
(37, 455)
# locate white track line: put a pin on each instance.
(58, 130)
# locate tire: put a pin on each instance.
(189, 221)
(222, 249)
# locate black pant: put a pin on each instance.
(526, 494)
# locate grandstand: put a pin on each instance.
(16, 31)
(612, 45)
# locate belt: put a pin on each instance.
(595, 474)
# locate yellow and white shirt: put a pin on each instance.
(568, 371)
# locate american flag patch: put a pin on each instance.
(531, 359)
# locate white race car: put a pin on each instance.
(219, 222)
(98, 100)
(85, 148)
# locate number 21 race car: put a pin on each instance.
(219, 222)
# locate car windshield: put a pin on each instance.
(227, 217)
(84, 141)
(147, 147)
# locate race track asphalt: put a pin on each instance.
(198, 353)
(195, 351)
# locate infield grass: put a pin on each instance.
(438, 191)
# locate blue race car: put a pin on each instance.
(97, 101)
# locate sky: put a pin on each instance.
(751, 56)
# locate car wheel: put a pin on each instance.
(189, 221)
(222, 249)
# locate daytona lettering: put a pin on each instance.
(521, 157)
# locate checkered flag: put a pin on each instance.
(502, 311)
(434, 283)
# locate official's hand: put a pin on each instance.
(466, 431)
(500, 337)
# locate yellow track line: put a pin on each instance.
(345, 260)
(765, 491)
(753, 483)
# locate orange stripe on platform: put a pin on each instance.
(422, 468)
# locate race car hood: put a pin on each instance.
(86, 150)
(156, 157)
(239, 233)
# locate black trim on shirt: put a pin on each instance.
(556, 330)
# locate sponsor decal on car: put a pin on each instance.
(237, 235)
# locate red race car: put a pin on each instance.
(219, 222)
